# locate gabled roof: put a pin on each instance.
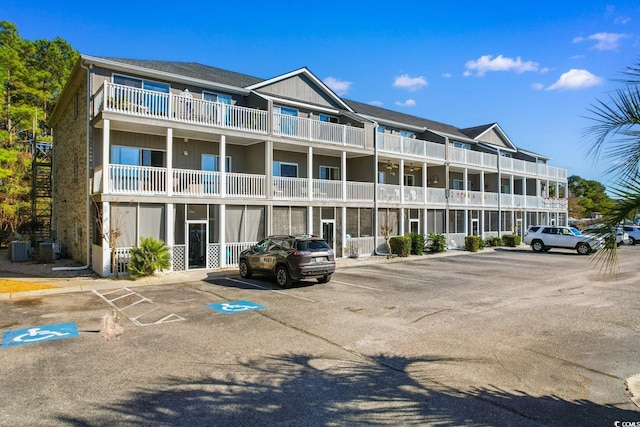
(381, 115)
(477, 132)
(305, 72)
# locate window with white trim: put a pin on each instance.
(330, 173)
(463, 145)
(285, 169)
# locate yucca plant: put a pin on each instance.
(152, 255)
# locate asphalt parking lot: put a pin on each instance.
(502, 337)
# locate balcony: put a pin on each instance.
(395, 144)
(187, 109)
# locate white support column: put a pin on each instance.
(169, 230)
(268, 167)
(310, 173)
(310, 220)
(223, 237)
(106, 151)
(223, 166)
(343, 175)
(344, 230)
(106, 232)
(465, 177)
(401, 180)
(401, 213)
(424, 183)
(169, 162)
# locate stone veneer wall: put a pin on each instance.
(70, 177)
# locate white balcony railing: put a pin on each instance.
(315, 130)
(140, 102)
(410, 146)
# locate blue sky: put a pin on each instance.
(535, 68)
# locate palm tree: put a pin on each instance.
(617, 139)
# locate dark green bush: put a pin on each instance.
(511, 240)
(436, 243)
(152, 255)
(494, 241)
(400, 245)
(417, 243)
(472, 243)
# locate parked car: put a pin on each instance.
(634, 233)
(622, 237)
(544, 237)
(289, 259)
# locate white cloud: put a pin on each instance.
(576, 79)
(538, 86)
(340, 87)
(411, 83)
(446, 75)
(488, 63)
(603, 41)
(622, 20)
(375, 103)
(407, 103)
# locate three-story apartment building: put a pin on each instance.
(211, 161)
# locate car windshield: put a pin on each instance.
(575, 231)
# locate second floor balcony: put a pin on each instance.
(183, 108)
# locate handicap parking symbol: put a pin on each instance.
(39, 334)
(235, 307)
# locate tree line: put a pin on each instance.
(32, 76)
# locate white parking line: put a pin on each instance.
(267, 289)
(356, 286)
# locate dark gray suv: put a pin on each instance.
(289, 259)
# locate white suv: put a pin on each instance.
(544, 237)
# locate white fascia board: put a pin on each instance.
(392, 123)
(532, 154)
(311, 76)
(119, 66)
(454, 137)
(288, 102)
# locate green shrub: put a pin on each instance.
(436, 243)
(472, 243)
(400, 245)
(511, 240)
(417, 243)
(495, 241)
(152, 255)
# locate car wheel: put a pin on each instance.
(324, 279)
(583, 248)
(245, 270)
(283, 278)
(633, 241)
(537, 246)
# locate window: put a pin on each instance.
(327, 118)
(154, 104)
(220, 114)
(407, 134)
(503, 154)
(458, 184)
(462, 145)
(211, 163)
(284, 169)
(134, 156)
(330, 173)
(409, 180)
(288, 124)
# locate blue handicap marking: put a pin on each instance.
(39, 334)
(235, 306)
